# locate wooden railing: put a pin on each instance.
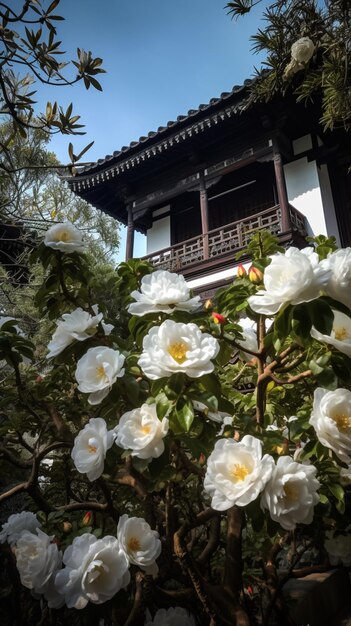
(224, 240)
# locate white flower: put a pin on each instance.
(96, 569)
(302, 50)
(339, 549)
(78, 325)
(249, 333)
(64, 237)
(340, 336)
(339, 284)
(236, 472)
(38, 561)
(162, 292)
(175, 347)
(290, 494)
(141, 431)
(331, 419)
(175, 616)
(139, 542)
(97, 370)
(16, 524)
(293, 277)
(90, 447)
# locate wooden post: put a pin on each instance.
(130, 234)
(281, 189)
(204, 217)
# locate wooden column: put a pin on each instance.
(204, 217)
(130, 234)
(281, 189)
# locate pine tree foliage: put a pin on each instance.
(326, 78)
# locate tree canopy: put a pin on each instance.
(324, 75)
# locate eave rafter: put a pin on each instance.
(83, 182)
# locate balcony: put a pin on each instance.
(224, 242)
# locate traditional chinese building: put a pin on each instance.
(199, 187)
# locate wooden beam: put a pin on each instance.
(281, 188)
(130, 234)
(204, 217)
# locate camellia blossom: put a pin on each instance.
(249, 333)
(139, 542)
(90, 447)
(291, 493)
(16, 524)
(76, 326)
(302, 50)
(293, 277)
(175, 347)
(340, 336)
(236, 472)
(97, 370)
(64, 237)
(95, 570)
(339, 283)
(331, 419)
(175, 616)
(339, 549)
(162, 292)
(38, 560)
(142, 432)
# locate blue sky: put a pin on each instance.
(162, 58)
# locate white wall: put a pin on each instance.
(309, 191)
(328, 203)
(304, 193)
(213, 278)
(159, 235)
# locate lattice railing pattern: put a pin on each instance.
(226, 239)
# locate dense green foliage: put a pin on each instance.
(209, 558)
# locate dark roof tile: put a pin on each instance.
(181, 118)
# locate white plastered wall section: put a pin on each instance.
(309, 191)
(159, 235)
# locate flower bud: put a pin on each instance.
(208, 304)
(241, 271)
(87, 518)
(218, 318)
(67, 527)
(255, 275)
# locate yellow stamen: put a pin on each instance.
(291, 492)
(92, 449)
(342, 421)
(100, 372)
(145, 430)
(178, 351)
(63, 236)
(239, 471)
(341, 333)
(133, 544)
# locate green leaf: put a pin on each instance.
(337, 491)
(301, 322)
(322, 316)
(185, 413)
(163, 405)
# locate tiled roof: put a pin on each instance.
(162, 138)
